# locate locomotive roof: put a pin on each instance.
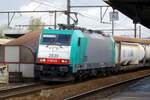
(48, 31)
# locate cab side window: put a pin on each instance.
(79, 42)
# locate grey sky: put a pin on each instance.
(12, 4)
(89, 17)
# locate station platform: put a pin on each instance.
(139, 90)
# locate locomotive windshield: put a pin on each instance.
(56, 39)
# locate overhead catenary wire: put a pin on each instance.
(43, 4)
(46, 4)
(26, 21)
(88, 16)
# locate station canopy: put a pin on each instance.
(137, 10)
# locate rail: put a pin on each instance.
(105, 88)
(26, 89)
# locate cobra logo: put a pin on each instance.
(54, 48)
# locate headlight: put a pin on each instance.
(41, 60)
(65, 61)
(44, 60)
(62, 61)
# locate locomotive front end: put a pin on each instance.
(53, 54)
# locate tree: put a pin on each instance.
(34, 23)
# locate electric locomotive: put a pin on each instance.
(64, 55)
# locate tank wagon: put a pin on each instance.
(64, 55)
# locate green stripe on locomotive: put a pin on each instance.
(50, 31)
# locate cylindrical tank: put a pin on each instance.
(130, 53)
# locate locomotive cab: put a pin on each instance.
(54, 49)
(54, 56)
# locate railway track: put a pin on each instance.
(106, 90)
(101, 92)
(103, 86)
(26, 89)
